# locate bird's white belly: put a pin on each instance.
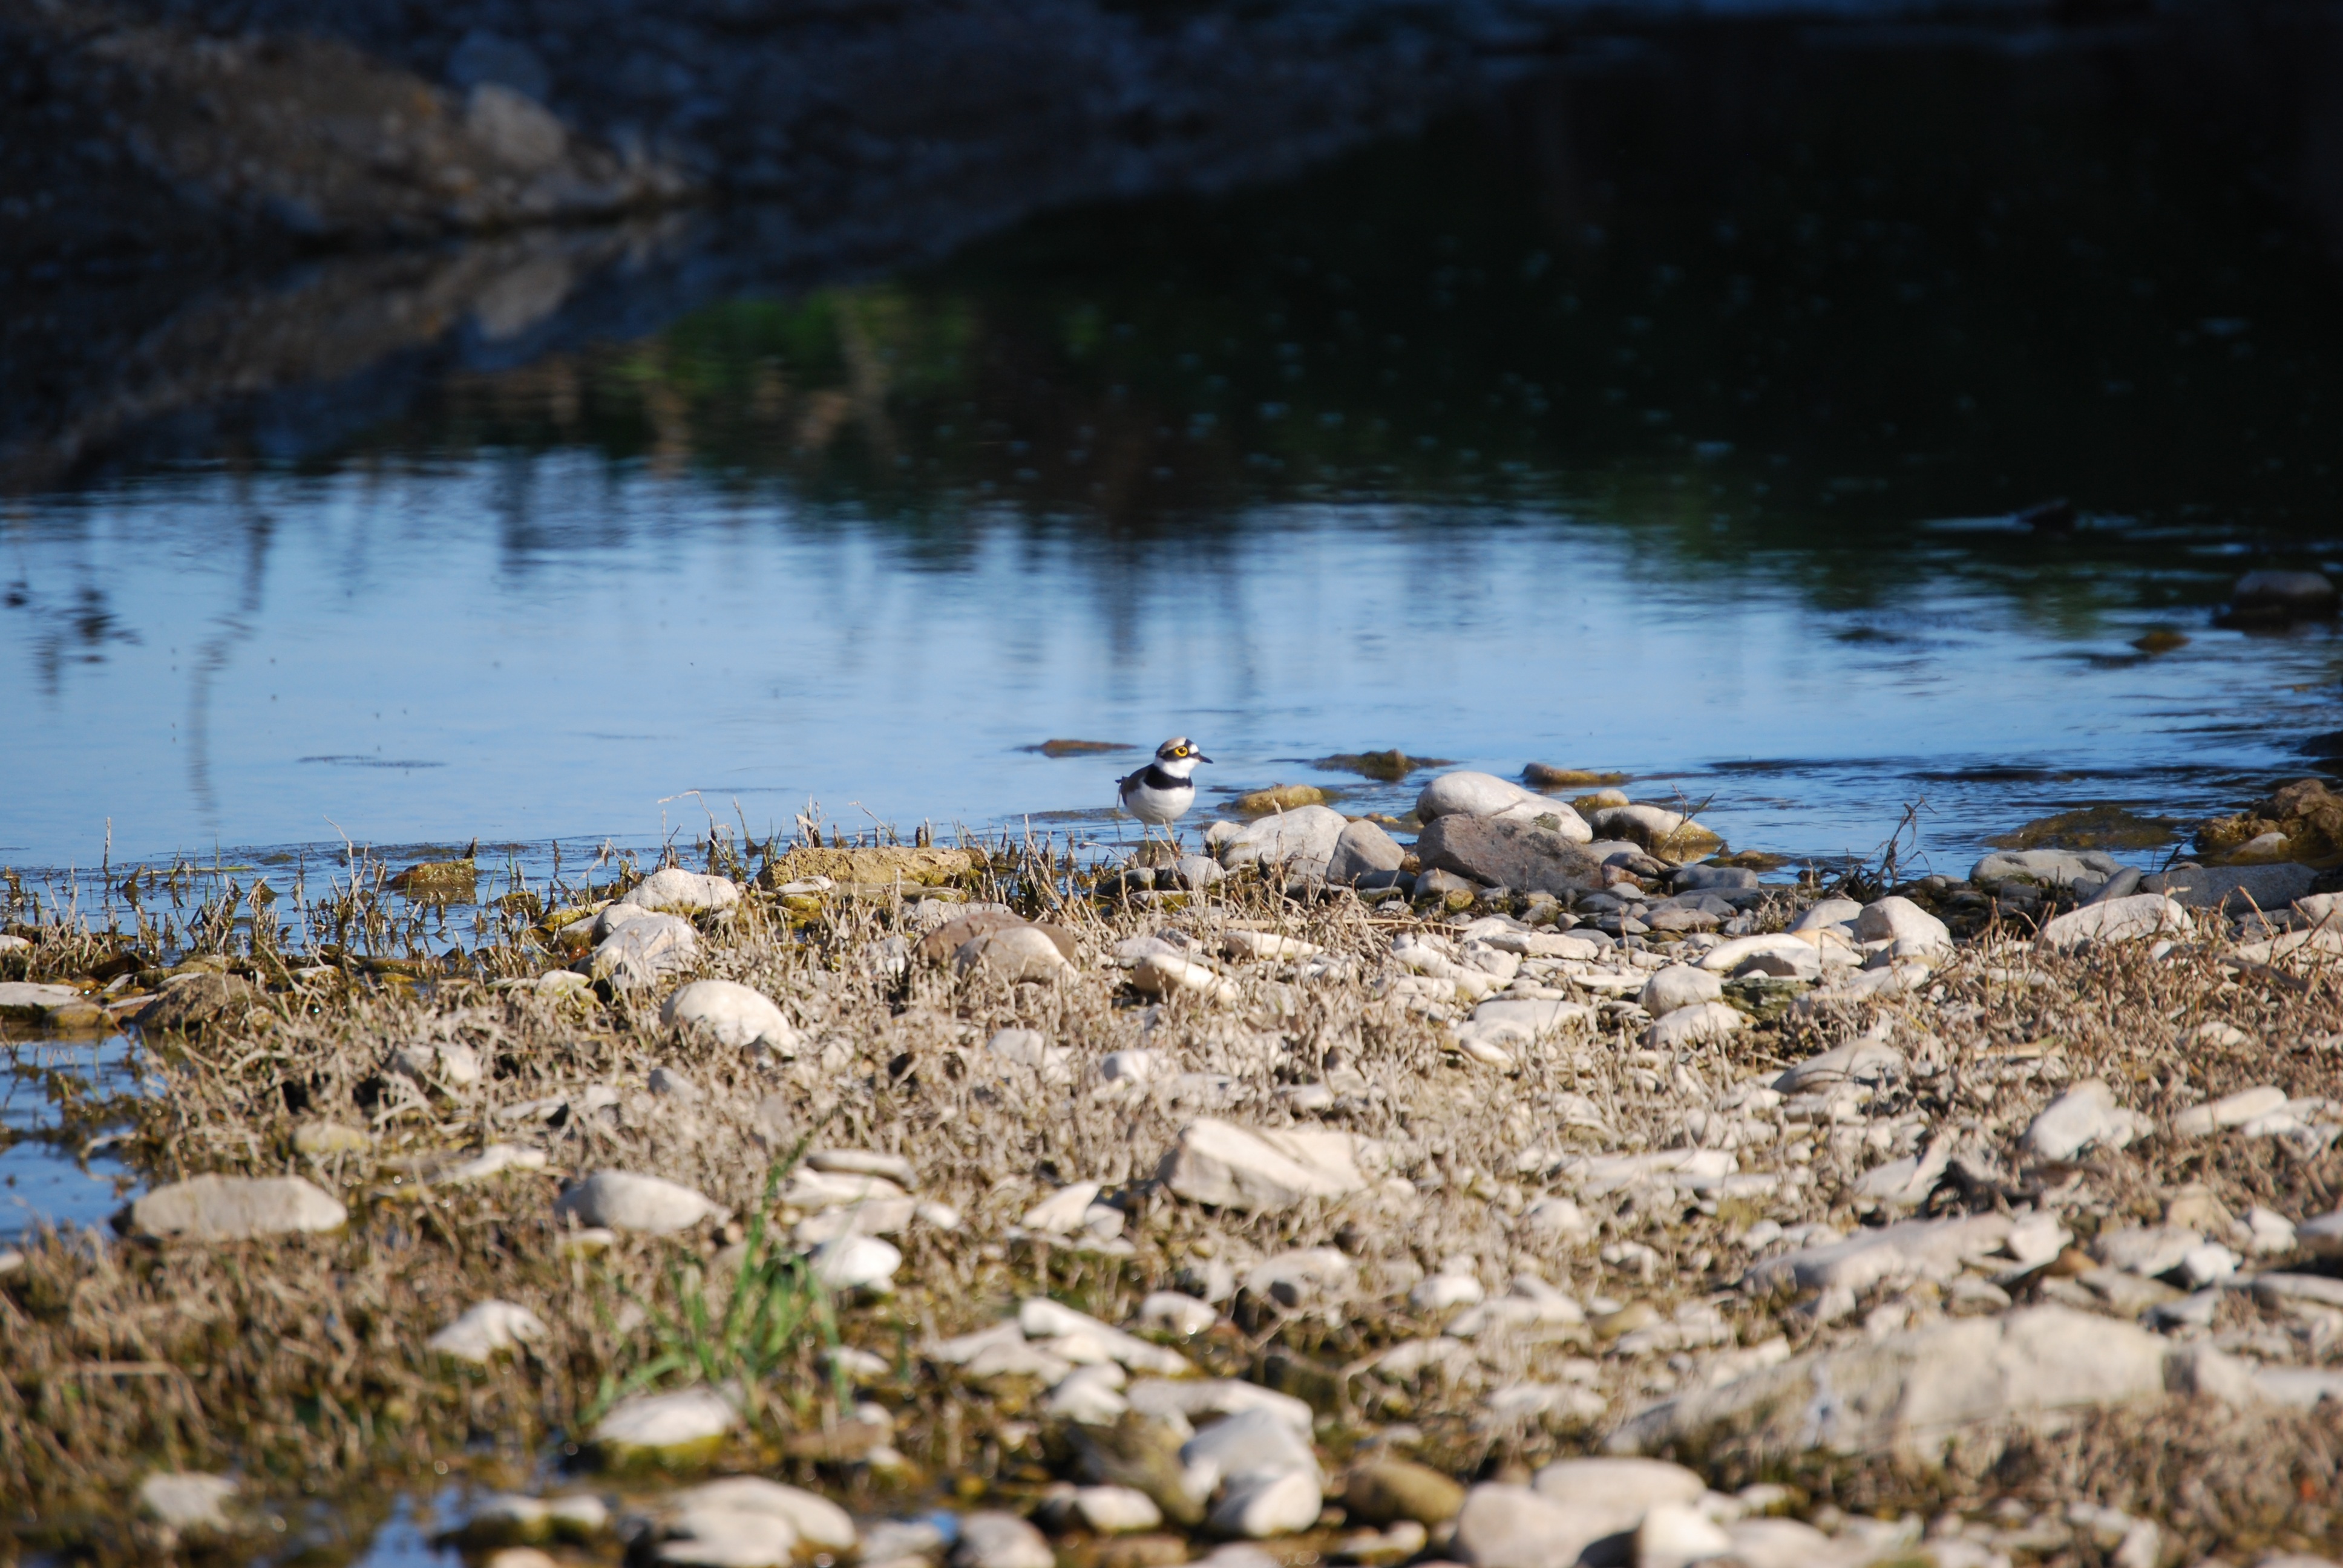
(1160, 806)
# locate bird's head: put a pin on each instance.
(1177, 750)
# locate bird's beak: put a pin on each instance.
(1201, 758)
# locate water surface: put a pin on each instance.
(1665, 414)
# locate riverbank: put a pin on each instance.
(1318, 1193)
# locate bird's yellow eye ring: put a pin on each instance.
(1179, 751)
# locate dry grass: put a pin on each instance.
(301, 1363)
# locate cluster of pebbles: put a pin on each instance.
(1547, 1190)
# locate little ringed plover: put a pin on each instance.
(1160, 794)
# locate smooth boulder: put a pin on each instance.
(1232, 1167)
(1909, 1393)
(627, 1200)
(734, 1014)
(672, 891)
(1469, 794)
(1509, 853)
(1021, 954)
(1297, 843)
(1361, 849)
(233, 1208)
(2136, 918)
(1680, 986)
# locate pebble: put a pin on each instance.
(2051, 868)
(733, 1014)
(1361, 850)
(672, 891)
(856, 1262)
(233, 1208)
(2084, 1117)
(893, 1168)
(1867, 1061)
(485, 1328)
(493, 1159)
(189, 1501)
(1030, 1050)
(1020, 953)
(1900, 920)
(1167, 974)
(1911, 1392)
(1261, 1169)
(2284, 595)
(2229, 1111)
(642, 952)
(1115, 1510)
(812, 1518)
(1676, 1534)
(1169, 1311)
(1244, 944)
(192, 1002)
(625, 1200)
(1507, 1526)
(996, 1540)
(451, 1066)
(1694, 1023)
(2136, 918)
(1386, 1491)
(1259, 1507)
(1298, 843)
(321, 1138)
(1197, 872)
(1302, 1277)
(689, 1419)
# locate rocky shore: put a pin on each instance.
(1524, 1183)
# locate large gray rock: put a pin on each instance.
(1627, 1486)
(731, 1013)
(671, 890)
(1503, 1526)
(1910, 1249)
(2051, 868)
(627, 1200)
(1709, 879)
(1900, 920)
(1469, 794)
(2283, 596)
(189, 1500)
(1679, 986)
(233, 1208)
(641, 950)
(2084, 1117)
(1300, 842)
(1909, 1394)
(1233, 1167)
(1362, 848)
(2235, 888)
(2136, 918)
(193, 1002)
(486, 1328)
(995, 1539)
(812, 1519)
(1505, 852)
(687, 1421)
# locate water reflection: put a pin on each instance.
(1686, 409)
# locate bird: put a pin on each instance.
(1160, 794)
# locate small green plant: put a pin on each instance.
(775, 1303)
